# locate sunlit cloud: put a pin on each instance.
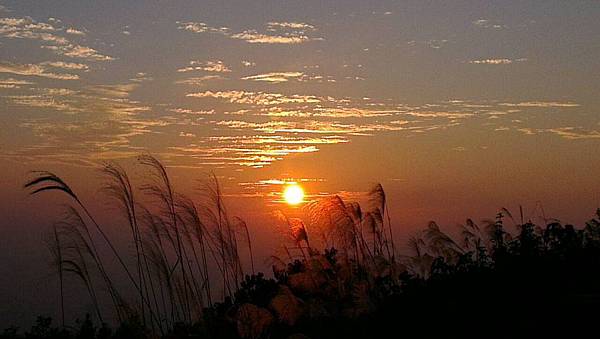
(276, 33)
(256, 98)
(39, 70)
(199, 80)
(293, 25)
(14, 83)
(66, 65)
(279, 139)
(575, 133)
(74, 31)
(274, 77)
(201, 27)
(97, 100)
(118, 90)
(431, 43)
(485, 23)
(500, 61)
(570, 133)
(351, 112)
(545, 104)
(46, 33)
(254, 37)
(450, 115)
(311, 127)
(193, 112)
(207, 66)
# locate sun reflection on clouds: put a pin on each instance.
(230, 110)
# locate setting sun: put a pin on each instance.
(293, 194)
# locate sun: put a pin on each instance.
(293, 194)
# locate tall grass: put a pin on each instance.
(176, 242)
(339, 263)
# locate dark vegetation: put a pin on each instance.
(338, 274)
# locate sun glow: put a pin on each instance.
(293, 194)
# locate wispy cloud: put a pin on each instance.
(66, 65)
(39, 70)
(13, 83)
(74, 31)
(199, 80)
(274, 77)
(217, 66)
(48, 35)
(77, 51)
(485, 23)
(575, 133)
(97, 100)
(256, 98)
(276, 32)
(545, 104)
(254, 37)
(201, 27)
(497, 61)
(192, 112)
(291, 25)
(569, 132)
(116, 91)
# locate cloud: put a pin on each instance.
(117, 91)
(432, 43)
(65, 65)
(199, 80)
(34, 70)
(449, 115)
(254, 37)
(293, 25)
(189, 111)
(544, 104)
(277, 32)
(77, 51)
(570, 133)
(311, 127)
(499, 61)
(201, 27)
(274, 77)
(46, 33)
(74, 31)
(484, 23)
(96, 101)
(13, 83)
(574, 133)
(351, 112)
(208, 66)
(256, 98)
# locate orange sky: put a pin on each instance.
(457, 109)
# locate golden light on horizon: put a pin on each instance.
(293, 194)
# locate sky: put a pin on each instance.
(457, 108)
